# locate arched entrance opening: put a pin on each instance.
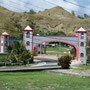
(75, 48)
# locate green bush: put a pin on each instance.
(72, 51)
(88, 59)
(56, 33)
(18, 54)
(32, 12)
(20, 36)
(4, 61)
(5, 64)
(26, 57)
(65, 61)
(88, 50)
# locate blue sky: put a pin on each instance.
(40, 5)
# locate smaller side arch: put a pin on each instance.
(76, 49)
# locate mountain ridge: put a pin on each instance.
(54, 19)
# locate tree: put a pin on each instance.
(31, 24)
(73, 13)
(88, 42)
(80, 17)
(88, 58)
(26, 57)
(20, 36)
(18, 53)
(85, 15)
(72, 51)
(56, 33)
(32, 12)
(9, 48)
(39, 11)
(88, 50)
(4, 60)
(15, 50)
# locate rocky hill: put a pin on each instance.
(54, 19)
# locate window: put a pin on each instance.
(28, 35)
(82, 35)
(6, 37)
(38, 52)
(38, 45)
(82, 44)
(81, 55)
(28, 43)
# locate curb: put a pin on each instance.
(30, 69)
(68, 74)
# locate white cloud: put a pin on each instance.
(17, 5)
(69, 7)
(87, 11)
(14, 5)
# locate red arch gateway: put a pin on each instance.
(76, 49)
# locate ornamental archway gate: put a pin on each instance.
(78, 42)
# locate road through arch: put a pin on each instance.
(75, 48)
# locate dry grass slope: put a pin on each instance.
(53, 19)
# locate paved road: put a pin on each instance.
(47, 60)
(40, 64)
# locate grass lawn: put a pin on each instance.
(86, 67)
(57, 53)
(41, 81)
(60, 50)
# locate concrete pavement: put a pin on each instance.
(40, 64)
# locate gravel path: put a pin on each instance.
(71, 72)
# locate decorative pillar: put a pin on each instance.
(82, 44)
(28, 38)
(4, 41)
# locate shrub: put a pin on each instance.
(65, 61)
(88, 59)
(18, 54)
(72, 51)
(9, 48)
(5, 64)
(88, 50)
(56, 33)
(20, 36)
(26, 57)
(4, 61)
